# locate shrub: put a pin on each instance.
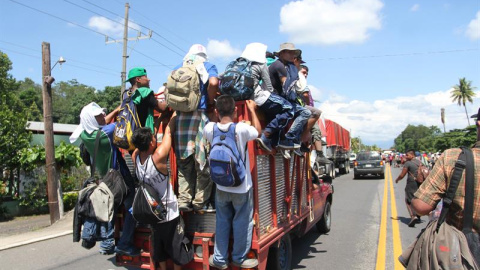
(69, 200)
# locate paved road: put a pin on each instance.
(351, 244)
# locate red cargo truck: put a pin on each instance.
(286, 204)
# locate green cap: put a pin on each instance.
(136, 72)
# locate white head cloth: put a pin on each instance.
(88, 122)
(255, 52)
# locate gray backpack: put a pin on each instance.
(441, 245)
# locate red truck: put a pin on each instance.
(286, 203)
(336, 147)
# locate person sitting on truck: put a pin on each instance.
(278, 72)
(92, 121)
(151, 166)
(234, 205)
(278, 111)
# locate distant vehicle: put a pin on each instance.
(369, 162)
(353, 157)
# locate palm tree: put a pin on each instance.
(462, 93)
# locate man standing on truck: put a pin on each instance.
(194, 184)
(234, 205)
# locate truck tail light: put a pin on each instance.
(355, 163)
(381, 162)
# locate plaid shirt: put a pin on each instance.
(436, 184)
(187, 130)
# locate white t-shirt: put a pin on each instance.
(160, 182)
(244, 133)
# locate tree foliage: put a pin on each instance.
(430, 139)
(463, 93)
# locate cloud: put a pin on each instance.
(327, 22)
(415, 7)
(381, 121)
(222, 49)
(473, 29)
(109, 27)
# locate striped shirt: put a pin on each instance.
(436, 184)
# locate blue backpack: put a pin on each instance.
(237, 80)
(227, 168)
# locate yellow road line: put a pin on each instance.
(397, 243)
(382, 239)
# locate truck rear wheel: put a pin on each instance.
(325, 223)
(280, 256)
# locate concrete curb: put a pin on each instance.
(33, 240)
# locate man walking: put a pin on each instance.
(410, 167)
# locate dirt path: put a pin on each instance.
(24, 224)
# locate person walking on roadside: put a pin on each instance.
(410, 167)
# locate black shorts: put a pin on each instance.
(169, 242)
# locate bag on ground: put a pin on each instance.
(227, 168)
(147, 206)
(183, 88)
(126, 123)
(238, 81)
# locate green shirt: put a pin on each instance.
(141, 94)
(104, 154)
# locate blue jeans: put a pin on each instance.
(278, 112)
(234, 211)
(302, 115)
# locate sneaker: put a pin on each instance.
(248, 263)
(214, 264)
(132, 251)
(287, 144)
(412, 222)
(264, 143)
(205, 209)
(298, 152)
(106, 251)
(285, 153)
(185, 208)
(321, 159)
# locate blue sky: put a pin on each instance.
(375, 66)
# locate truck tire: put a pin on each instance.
(325, 223)
(280, 256)
(342, 170)
(347, 165)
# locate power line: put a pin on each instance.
(69, 59)
(54, 16)
(70, 65)
(162, 64)
(113, 13)
(393, 55)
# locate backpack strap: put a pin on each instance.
(469, 190)
(460, 165)
(95, 150)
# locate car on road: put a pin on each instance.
(368, 163)
(352, 159)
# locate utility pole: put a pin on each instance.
(125, 43)
(442, 115)
(52, 185)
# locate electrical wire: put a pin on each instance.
(113, 13)
(392, 55)
(54, 16)
(162, 64)
(69, 59)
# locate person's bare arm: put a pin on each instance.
(255, 122)
(212, 89)
(306, 97)
(161, 106)
(402, 174)
(112, 115)
(160, 156)
(421, 207)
